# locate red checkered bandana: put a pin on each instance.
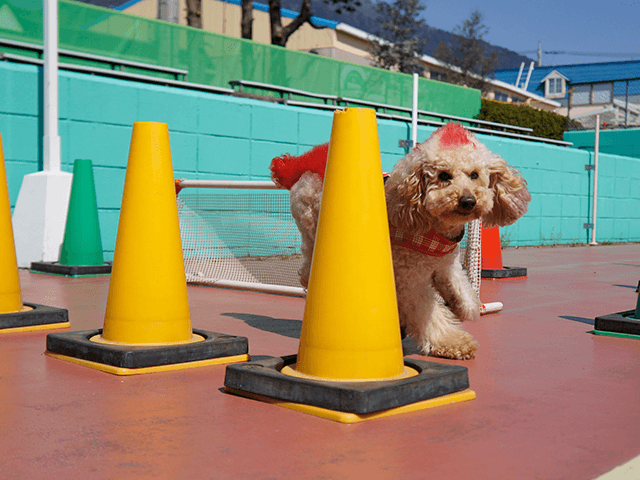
(431, 243)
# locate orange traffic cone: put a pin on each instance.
(349, 365)
(491, 257)
(147, 325)
(14, 314)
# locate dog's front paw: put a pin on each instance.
(458, 345)
(469, 312)
(468, 309)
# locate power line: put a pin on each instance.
(585, 54)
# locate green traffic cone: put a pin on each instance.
(621, 324)
(637, 314)
(81, 251)
(82, 244)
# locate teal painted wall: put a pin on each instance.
(561, 192)
(223, 137)
(619, 142)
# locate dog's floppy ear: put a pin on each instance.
(510, 194)
(406, 190)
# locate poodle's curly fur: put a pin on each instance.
(443, 183)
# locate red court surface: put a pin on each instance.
(553, 400)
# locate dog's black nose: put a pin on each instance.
(467, 203)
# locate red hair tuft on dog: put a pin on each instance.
(286, 170)
(453, 135)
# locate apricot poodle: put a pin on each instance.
(442, 184)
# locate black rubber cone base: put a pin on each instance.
(504, 272)
(55, 268)
(123, 359)
(620, 324)
(346, 401)
(34, 317)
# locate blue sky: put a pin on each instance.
(560, 25)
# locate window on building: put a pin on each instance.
(602, 92)
(581, 95)
(501, 97)
(555, 86)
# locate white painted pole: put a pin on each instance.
(51, 140)
(256, 287)
(249, 184)
(40, 213)
(414, 111)
(491, 307)
(596, 147)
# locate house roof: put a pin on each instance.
(122, 5)
(555, 73)
(263, 7)
(115, 4)
(575, 73)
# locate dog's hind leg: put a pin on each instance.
(305, 197)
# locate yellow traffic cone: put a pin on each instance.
(147, 324)
(10, 297)
(14, 315)
(147, 300)
(349, 365)
(350, 328)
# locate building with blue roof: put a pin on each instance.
(608, 89)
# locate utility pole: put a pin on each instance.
(539, 54)
(168, 11)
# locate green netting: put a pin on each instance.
(214, 59)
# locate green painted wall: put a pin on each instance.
(213, 59)
(619, 142)
(223, 137)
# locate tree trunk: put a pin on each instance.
(247, 19)
(276, 23)
(280, 34)
(194, 13)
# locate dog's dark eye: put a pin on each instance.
(474, 176)
(445, 177)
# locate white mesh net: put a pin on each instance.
(244, 236)
(247, 238)
(472, 262)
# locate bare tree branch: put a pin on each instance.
(399, 48)
(280, 35)
(468, 65)
(303, 16)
